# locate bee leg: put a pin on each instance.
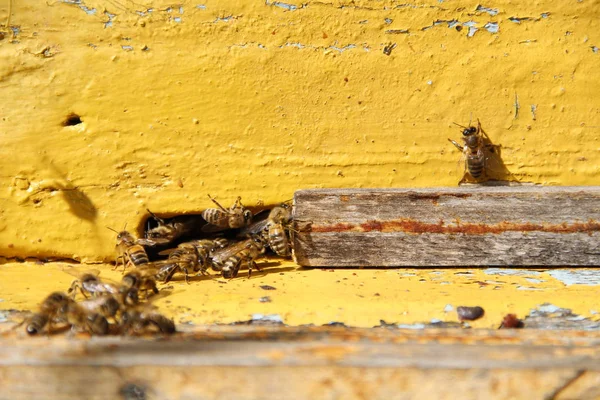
(218, 205)
(185, 272)
(458, 146)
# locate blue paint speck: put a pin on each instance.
(492, 27)
(181, 10)
(594, 49)
(201, 7)
(127, 48)
(576, 277)
(449, 308)
(88, 11)
(177, 19)
(491, 11)
(285, 6)
(341, 49)
(510, 271)
(533, 280)
(388, 20)
(269, 318)
(545, 15)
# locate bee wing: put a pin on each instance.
(254, 229)
(166, 252)
(220, 256)
(78, 272)
(153, 242)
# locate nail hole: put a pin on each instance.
(72, 120)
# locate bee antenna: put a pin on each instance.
(108, 227)
(464, 127)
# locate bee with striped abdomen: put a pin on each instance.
(129, 252)
(237, 216)
(229, 259)
(473, 149)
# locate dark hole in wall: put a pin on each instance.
(193, 225)
(72, 120)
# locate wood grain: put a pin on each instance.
(314, 362)
(476, 226)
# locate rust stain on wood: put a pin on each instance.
(434, 197)
(409, 225)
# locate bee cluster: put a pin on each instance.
(105, 308)
(227, 239)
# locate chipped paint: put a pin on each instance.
(576, 277)
(262, 98)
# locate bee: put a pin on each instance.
(60, 308)
(129, 252)
(167, 232)
(106, 305)
(473, 149)
(140, 321)
(83, 319)
(220, 218)
(49, 309)
(275, 229)
(140, 280)
(205, 249)
(229, 259)
(89, 284)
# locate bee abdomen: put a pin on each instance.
(214, 217)
(278, 242)
(138, 256)
(36, 324)
(476, 165)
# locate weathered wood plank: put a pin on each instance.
(314, 362)
(523, 225)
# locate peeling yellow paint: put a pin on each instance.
(360, 297)
(260, 99)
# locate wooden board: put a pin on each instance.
(305, 363)
(476, 226)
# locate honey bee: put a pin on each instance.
(83, 319)
(106, 305)
(167, 232)
(229, 259)
(89, 284)
(275, 229)
(59, 308)
(139, 321)
(129, 252)
(220, 218)
(473, 149)
(140, 280)
(49, 309)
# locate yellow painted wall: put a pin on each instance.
(262, 98)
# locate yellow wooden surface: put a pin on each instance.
(260, 99)
(360, 297)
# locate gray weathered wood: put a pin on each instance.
(476, 226)
(303, 363)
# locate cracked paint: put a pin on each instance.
(309, 94)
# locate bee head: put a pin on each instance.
(469, 131)
(247, 216)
